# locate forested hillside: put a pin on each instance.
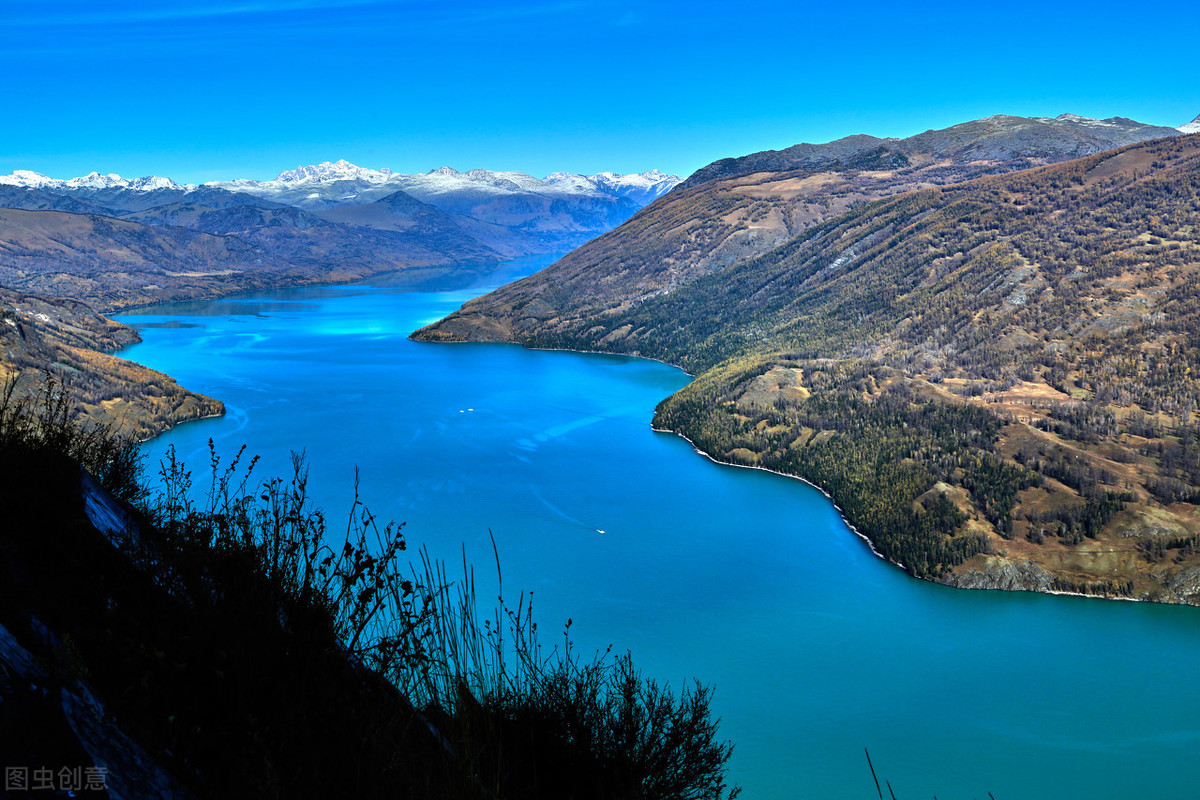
(995, 380)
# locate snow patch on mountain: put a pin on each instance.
(642, 187)
(29, 179)
(571, 182)
(341, 170)
(1191, 127)
(1085, 121)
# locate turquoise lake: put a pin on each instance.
(744, 580)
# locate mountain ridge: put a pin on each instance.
(509, 214)
(735, 209)
(1000, 136)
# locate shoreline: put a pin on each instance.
(695, 448)
(850, 526)
(185, 422)
(871, 545)
(304, 283)
(805, 481)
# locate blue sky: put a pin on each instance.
(247, 88)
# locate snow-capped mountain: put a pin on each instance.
(340, 170)
(1191, 127)
(571, 181)
(513, 212)
(446, 182)
(337, 183)
(334, 184)
(642, 188)
(153, 183)
(509, 213)
(29, 180)
(93, 180)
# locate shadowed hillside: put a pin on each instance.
(204, 252)
(240, 647)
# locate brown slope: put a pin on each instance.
(118, 263)
(739, 208)
(65, 340)
(111, 263)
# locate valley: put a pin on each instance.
(599, 401)
(102, 244)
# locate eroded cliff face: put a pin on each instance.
(1001, 573)
(993, 572)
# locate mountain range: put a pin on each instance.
(510, 213)
(979, 340)
(333, 184)
(318, 185)
(115, 243)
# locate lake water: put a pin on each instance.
(742, 579)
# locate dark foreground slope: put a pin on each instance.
(242, 648)
(190, 689)
(995, 380)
